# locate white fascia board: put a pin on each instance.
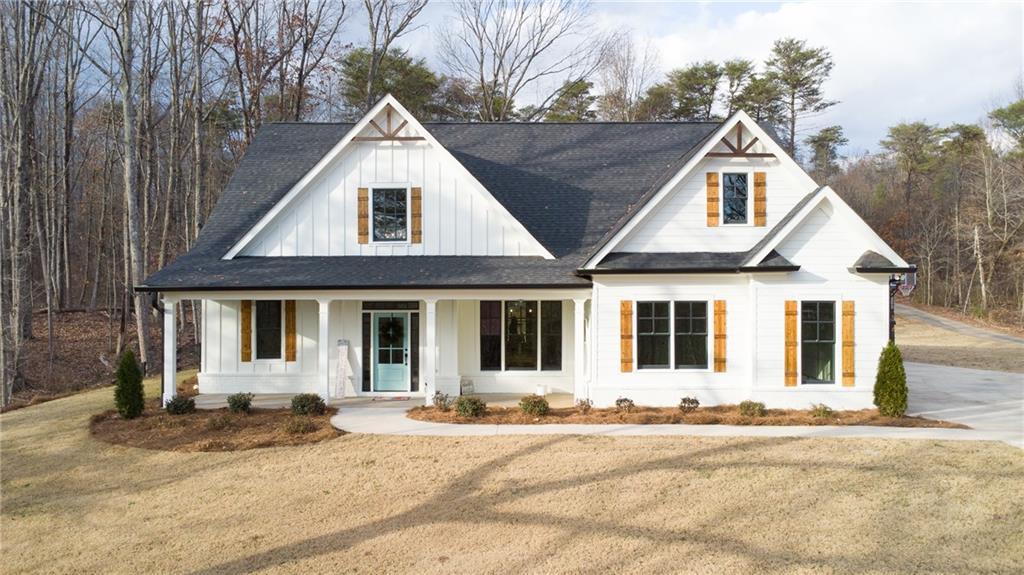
(873, 240)
(311, 175)
(738, 117)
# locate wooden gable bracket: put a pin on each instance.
(739, 150)
(390, 134)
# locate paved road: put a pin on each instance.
(959, 327)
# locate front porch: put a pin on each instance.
(388, 344)
(283, 400)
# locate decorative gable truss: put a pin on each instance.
(388, 188)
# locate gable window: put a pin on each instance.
(390, 214)
(734, 198)
(818, 341)
(521, 335)
(268, 329)
(672, 334)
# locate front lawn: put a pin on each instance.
(509, 504)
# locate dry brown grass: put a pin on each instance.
(924, 343)
(209, 430)
(511, 504)
(713, 415)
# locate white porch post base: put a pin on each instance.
(324, 350)
(170, 371)
(579, 363)
(430, 353)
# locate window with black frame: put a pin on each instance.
(734, 198)
(490, 335)
(653, 332)
(390, 215)
(551, 335)
(268, 330)
(521, 335)
(818, 341)
(691, 334)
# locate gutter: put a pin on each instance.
(726, 270)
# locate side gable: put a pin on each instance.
(387, 148)
(674, 217)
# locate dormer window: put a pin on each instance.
(390, 214)
(735, 198)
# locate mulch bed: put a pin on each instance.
(209, 430)
(715, 415)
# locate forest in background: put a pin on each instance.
(123, 120)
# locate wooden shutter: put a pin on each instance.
(626, 328)
(245, 322)
(760, 199)
(289, 330)
(791, 317)
(364, 215)
(417, 215)
(848, 344)
(712, 185)
(720, 336)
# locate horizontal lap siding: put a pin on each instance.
(683, 221)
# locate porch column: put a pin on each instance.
(430, 356)
(579, 363)
(170, 388)
(323, 372)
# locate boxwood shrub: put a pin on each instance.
(534, 405)
(308, 404)
(180, 405)
(752, 408)
(240, 402)
(469, 406)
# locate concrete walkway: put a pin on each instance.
(953, 325)
(988, 401)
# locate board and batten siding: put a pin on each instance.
(457, 218)
(681, 222)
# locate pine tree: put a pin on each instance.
(128, 396)
(891, 383)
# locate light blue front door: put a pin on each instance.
(391, 351)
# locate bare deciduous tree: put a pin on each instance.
(626, 74)
(387, 21)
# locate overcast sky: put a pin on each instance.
(942, 62)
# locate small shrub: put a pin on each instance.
(240, 402)
(822, 410)
(624, 404)
(688, 404)
(128, 398)
(752, 408)
(308, 404)
(442, 401)
(891, 383)
(534, 405)
(220, 422)
(469, 406)
(584, 406)
(300, 425)
(180, 405)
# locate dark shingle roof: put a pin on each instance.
(689, 262)
(568, 184)
(871, 261)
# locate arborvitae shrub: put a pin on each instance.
(891, 383)
(128, 398)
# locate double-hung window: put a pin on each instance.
(268, 329)
(672, 334)
(734, 198)
(521, 335)
(818, 341)
(390, 214)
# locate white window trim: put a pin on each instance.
(408, 214)
(750, 196)
(709, 302)
(836, 343)
(537, 370)
(255, 350)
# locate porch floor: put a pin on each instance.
(279, 400)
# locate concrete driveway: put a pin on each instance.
(990, 401)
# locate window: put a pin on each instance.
(818, 341)
(652, 334)
(390, 214)
(521, 335)
(490, 335)
(268, 330)
(734, 196)
(672, 334)
(691, 334)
